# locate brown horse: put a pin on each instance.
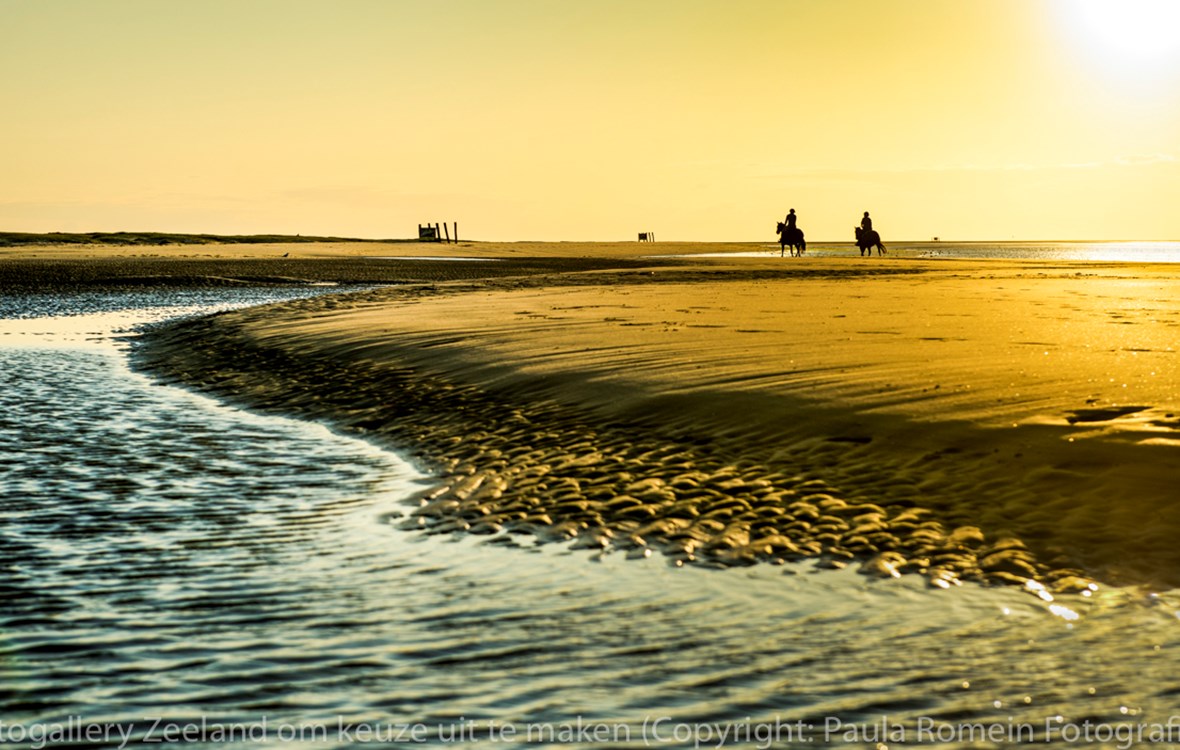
(792, 236)
(866, 241)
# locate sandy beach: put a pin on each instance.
(1002, 422)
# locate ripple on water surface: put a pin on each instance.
(165, 556)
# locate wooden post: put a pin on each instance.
(445, 232)
(456, 232)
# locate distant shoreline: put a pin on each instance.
(23, 239)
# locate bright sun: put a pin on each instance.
(1136, 32)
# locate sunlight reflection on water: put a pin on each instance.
(1130, 252)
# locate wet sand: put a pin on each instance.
(36, 268)
(1001, 422)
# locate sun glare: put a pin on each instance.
(1129, 32)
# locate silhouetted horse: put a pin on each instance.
(866, 241)
(792, 237)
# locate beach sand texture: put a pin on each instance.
(1002, 422)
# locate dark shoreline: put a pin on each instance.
(157, 239)
(59, 275)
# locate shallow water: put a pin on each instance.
(456, 258)
(169, 561)
(1134, 252)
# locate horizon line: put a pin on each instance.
(322, 238)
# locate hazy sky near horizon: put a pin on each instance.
(593, 119)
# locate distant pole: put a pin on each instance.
(445, 232)
(456, 232)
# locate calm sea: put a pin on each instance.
(174, 568)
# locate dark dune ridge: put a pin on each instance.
(30, 239)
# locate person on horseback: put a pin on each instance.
(866, 238)
(789, 233)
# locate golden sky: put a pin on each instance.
(593, 119)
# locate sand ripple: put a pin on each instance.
(544, 470)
